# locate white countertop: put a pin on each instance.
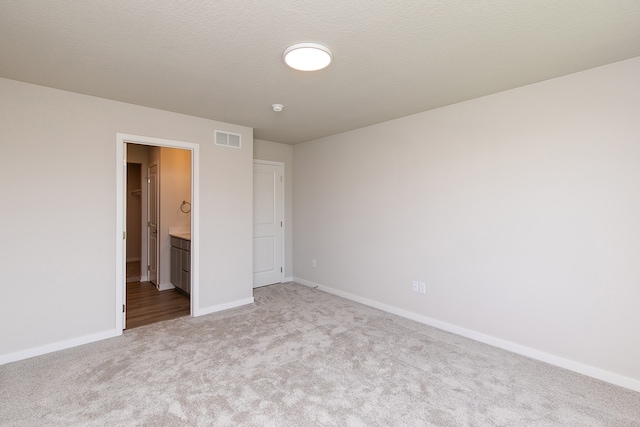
(181, 235)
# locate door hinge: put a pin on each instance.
(280, 223)
(148, 223)
(124, 235)
(280, 269)
(123, 308)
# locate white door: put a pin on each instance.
(152, 223)
(268, 218)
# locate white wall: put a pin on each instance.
(520, 210)
(58, 210)
(277, 152)
(175, 187)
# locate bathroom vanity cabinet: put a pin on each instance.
(181, 263)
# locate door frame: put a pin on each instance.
(284, 211)
(122, 140)
(148, 222)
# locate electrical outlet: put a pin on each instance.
(423, 288)
(415, 285)
(313, 263)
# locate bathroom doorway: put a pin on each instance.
(165, 174)
(142, 302)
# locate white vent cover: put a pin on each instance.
(227, 139)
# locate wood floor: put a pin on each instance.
(147, 305)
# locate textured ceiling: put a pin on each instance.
(223, 59)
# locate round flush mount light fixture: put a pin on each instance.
(277, 107)
(307, 56)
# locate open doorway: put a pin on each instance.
(170, 205)
(153, 293)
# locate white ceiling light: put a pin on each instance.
(307, 56)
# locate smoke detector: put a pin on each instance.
(277, 107)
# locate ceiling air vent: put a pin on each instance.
(227, 139)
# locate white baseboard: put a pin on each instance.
(561, 362)
(221, 307)
(144, 278)
(62, 345)
(164, 286)
(287, 279)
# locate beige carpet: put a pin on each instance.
(300, 357)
